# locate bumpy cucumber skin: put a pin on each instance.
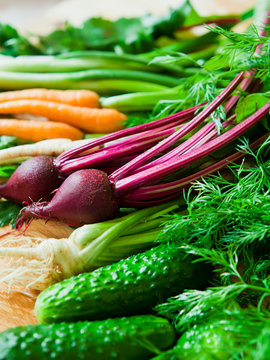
(204, 342)
(130, 287)
(116, 339)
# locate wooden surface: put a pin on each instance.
(17, 304)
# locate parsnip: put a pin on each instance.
(53, 147)
(37, 263)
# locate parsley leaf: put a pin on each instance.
(131, 35)
(12, 43)
(7, 171)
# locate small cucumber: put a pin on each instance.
(133, 338)
(130, 287)
(205, 342)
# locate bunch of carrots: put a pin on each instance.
(71, 113)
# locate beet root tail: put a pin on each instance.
(85, 197)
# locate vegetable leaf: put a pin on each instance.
(131, 35)
(12, 43)
(247, 106)
(8, 212)
(7, 171)
(9, 141)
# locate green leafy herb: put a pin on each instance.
(7, 171)
(137, 118)
(226, 209)
(9, 141)
(12, 43)
(8, 212)
(131, 35)
(227, 225)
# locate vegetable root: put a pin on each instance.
(85, 197)
(51, 147)
(38, 263)
(33, 180)
(35, 264)
(85, 98)
(38, 130)
(89, 120)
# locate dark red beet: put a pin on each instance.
(85, 197)
(34, 180)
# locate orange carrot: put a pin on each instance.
(38, 130)
(85, 98)
(89, 120)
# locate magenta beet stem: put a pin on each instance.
(110, 151)
(159, 171)
(126, 132)
(201, 137)
(161, 190)
(181, 148)
(144, 135)
(151, 192)
(94, 160)
(163, 145)
(249, 75)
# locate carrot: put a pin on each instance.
(85, 98)
(89, 120)
(38, 130)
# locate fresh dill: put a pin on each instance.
(228, 226)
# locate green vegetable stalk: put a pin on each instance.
(139, 101)
(82, 60)
(102, 80)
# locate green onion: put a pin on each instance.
(103, 80)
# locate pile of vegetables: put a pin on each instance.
(136, 183)
(148, 163)
(169, 260)
(226, 229)
(120, 58)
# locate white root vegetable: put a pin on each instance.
(52, 147)
(40, 263)
(37, 263)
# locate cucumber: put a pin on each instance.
(205, 341)
(130, 287)
(137, 337)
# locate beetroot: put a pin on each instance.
(34, 180)
(85, 197)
